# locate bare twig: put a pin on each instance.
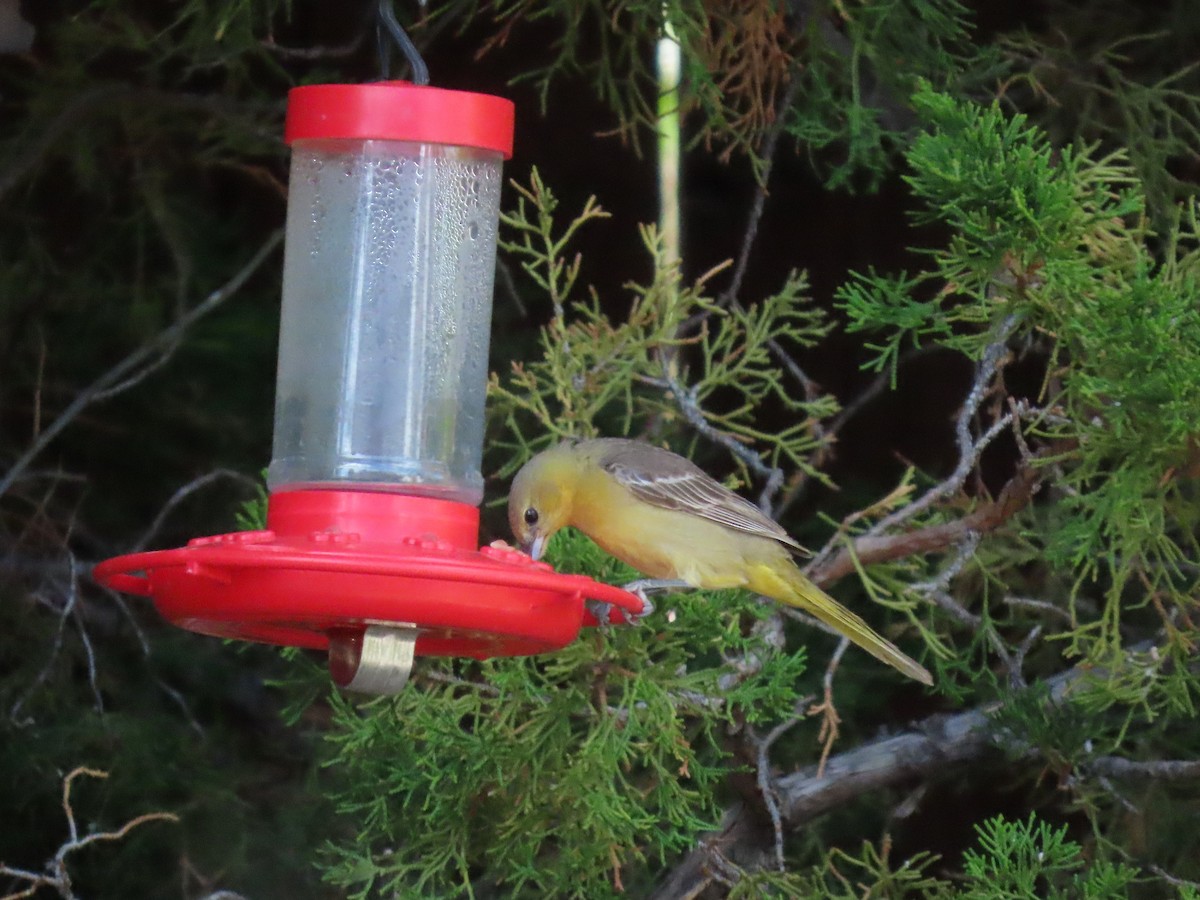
(55, 648)
(828, 434)
(89, 652)
(765, 788)
(1016, 665)
(685, 399)
(55, 875)
(119, 374)
(183, 493)
(983, 519)
(320, 51)
(1040, 605)
(969, 448)
(1158, 770)
(1174, 879)
(830, 720)
(176, 697)
(729, 297)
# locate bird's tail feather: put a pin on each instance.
(791, 587)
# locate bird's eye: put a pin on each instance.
(531, 516)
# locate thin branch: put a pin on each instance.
(176, 697)
(729, 297)
(985, 518)
(764, 780)
(1158, 770)
(102, 386)
(829, 434)
(1016, 664)
(55, 648)
(81, 626)
(685, 399)
(830, 720)
(55, 875)
(1174, 879)
(932, 748)
(969, 448)
(1040, 605)
(182, 494)
(319, 52)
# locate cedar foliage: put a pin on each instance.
(1042, 558)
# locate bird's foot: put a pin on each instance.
(603, 612)
(643, 587)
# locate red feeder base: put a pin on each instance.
(337, 561)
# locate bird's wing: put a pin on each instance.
(664, 479)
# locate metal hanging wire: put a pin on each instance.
(387, 27)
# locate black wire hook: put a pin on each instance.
(388, 26)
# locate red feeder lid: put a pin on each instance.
(336, 560)
(400, 111)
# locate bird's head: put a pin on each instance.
(541, 497)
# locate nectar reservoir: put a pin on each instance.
(387, 289)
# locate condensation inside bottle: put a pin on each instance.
(387, 294)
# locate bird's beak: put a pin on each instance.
(535, 547)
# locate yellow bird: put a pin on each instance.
(664, 516)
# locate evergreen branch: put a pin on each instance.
(969, 448)
(937, 591)
(1013, 497)
(119, 374)
(929, 749)
(689, 405)
(103, 100)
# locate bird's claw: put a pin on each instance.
(602, 612)
(638, 589)
(641, 589)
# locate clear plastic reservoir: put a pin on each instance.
(387, 294)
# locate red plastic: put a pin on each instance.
(339, 560)
(400, 111)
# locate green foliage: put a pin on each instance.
(861, 62)
(140, 166)
(842, 69)
(1032, 859)
(566, 775)
(1023, 860)
(600, 376)
(1052, 241)
(1130, 84)
(252, 514)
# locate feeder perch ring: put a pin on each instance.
(307, 588)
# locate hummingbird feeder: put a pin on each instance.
(372, 521)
